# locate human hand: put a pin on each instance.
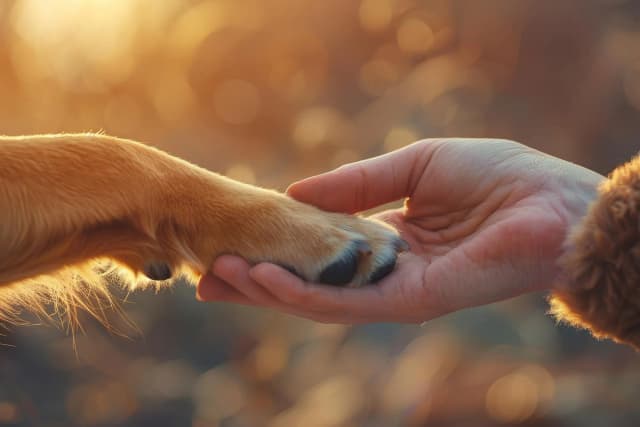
(485, 220)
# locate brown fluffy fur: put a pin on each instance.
(603, 263)
(77, 209)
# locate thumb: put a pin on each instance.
(365, 184)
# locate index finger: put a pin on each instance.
(363, 185)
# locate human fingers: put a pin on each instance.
(368, 183)
(376, 303)
(211, 288)
(234, 272)
(237, 287)
(237, 273)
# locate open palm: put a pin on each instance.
(485, 220)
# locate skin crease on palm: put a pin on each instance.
(486, 220)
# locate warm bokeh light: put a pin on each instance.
(267, 92)
(9, 413)
(218, 394)
(399, 137)
(101, 403)
(319, 125)
(376, 15)
(423, 366)
(414, 36)
(514, 398)
(377, 75)
(236, 101)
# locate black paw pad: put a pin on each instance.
(157, 270)
(341, 271)
(383, 271)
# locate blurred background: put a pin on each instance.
(272, 91)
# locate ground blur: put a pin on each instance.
(271, 91)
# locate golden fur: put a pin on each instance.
(77, 209)
(603, 263)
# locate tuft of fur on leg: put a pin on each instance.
(61, 296)
(95, 259)
(78, 212)
(602, 263)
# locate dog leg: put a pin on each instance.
(71, 199)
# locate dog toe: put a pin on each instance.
(383, 270)
(342, 270)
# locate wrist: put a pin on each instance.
(579, 195)
(580, 191)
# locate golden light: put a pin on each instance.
(341, 394)
(331, 403)
(218, 393)
(73, 39)
(247, 15)
(194, 25)
(241, 172)
(414, 36)
(271, 357)
(122, 115)
(425, 363)
(375, 15)
(269, 92)
(376, 76)
(512, 398)
(171, 93)
(516, 397)
(316, 126)
(399, 137)
(236, 101)
(344, 156)
(298, 62)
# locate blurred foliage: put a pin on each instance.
(272, 91)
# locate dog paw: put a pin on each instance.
(265, 226)
(369, 257)
(328, 248)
